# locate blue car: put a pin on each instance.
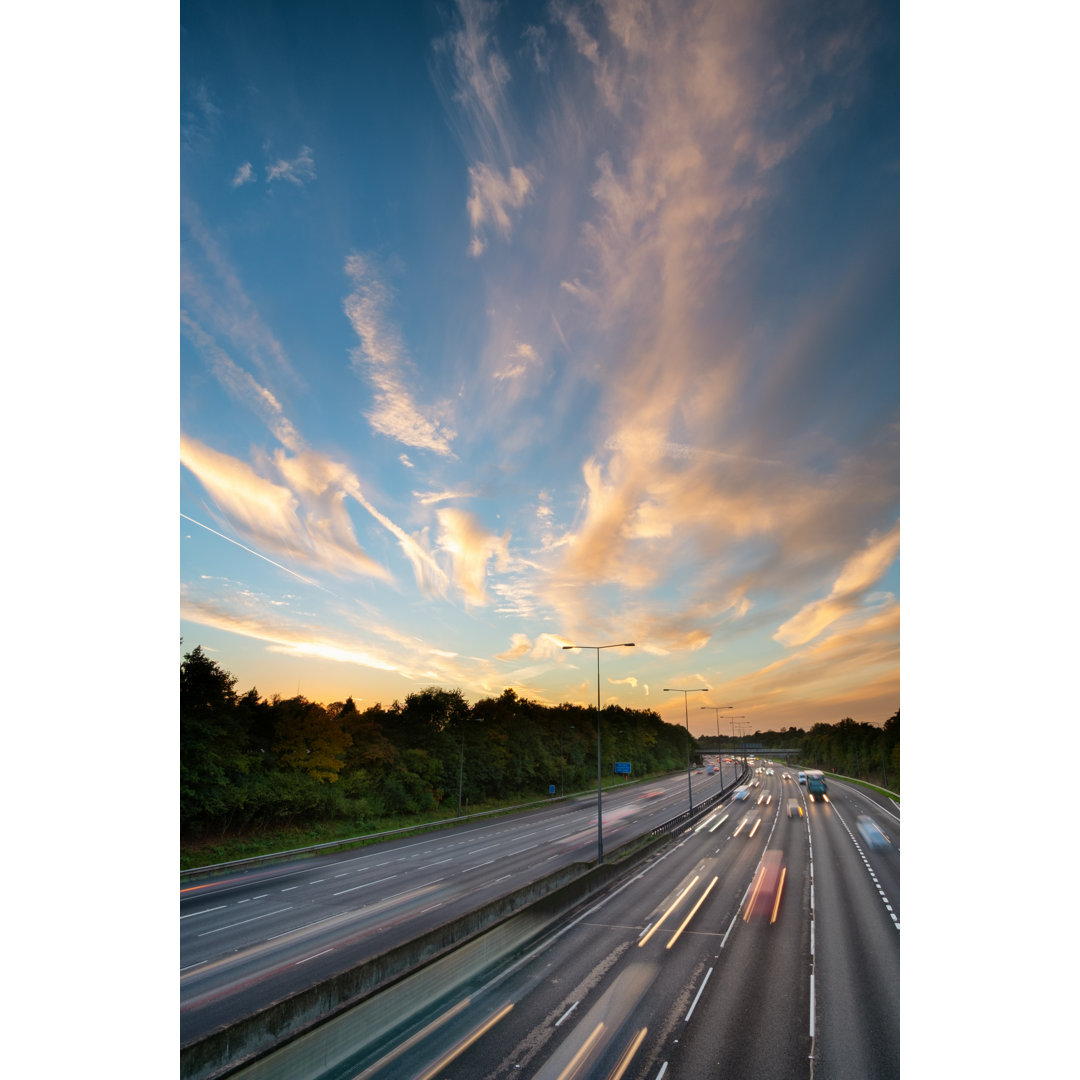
(871, 832)
(741, 792)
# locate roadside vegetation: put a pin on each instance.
(260, 776)
(858, 751)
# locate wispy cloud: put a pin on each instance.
(518, 362)
(244, 175)
(427, 498)
(860, 573)
(211, 288)
(293, 508)
(492, 196)
(299, 171)
(471, 547)
(241, 385)
(383, 358)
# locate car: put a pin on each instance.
(769, 772)
(741, 792)
(654, 794)
(871, 832)
(786, 776)
(802, 778)
(764, 902)
(794, 808)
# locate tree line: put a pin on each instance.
(248, 763)
(861, 750)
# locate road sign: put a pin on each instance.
(622, 768)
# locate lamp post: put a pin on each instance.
(719, 756)
(461, 767)
(686, 709)
(733, 719)
(599, 780)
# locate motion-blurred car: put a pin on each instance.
(769, 772)
(794, 808)
(802, 778)
(786, 776)
(741, 792)
(871, 832)
(764, 902)
(655, 794)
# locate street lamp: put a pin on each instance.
(719, 756)
(733, 719)
(599, 780)
(461, 766)
(686, 709)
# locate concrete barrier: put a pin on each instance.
(314, 1030)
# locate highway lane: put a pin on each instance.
(667, 978)
(250, 938)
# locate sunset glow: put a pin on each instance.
(507, 327)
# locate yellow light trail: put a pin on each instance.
(693, 912)
(678, 899)
(628, 1055)
(575, 1062)
(779, 890)
(464, 1044)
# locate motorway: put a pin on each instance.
(251, 938)
(694, 966)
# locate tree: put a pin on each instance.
(307, 737)
(212, 740)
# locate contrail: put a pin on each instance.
(307, 581)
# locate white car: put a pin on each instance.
(802, 778)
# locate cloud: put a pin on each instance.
(519, 646)
(858, 575)
(478, 78)
(244, 175)
(240, 385)
(519, 360)
(491, 197)
(429, 497)
(853, 671)
(383, 357)
(299, 515)
(298, 171)
(215, 293)
(470, 547)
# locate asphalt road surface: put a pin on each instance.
(247, 939)
(758, 945)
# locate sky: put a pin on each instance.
(510, 326)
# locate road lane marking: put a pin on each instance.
(365, 885)
(567, 1013)
(220, 907)
(312, 957)
(254, 918)
(698, 995)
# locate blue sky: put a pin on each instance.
(510, 326)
